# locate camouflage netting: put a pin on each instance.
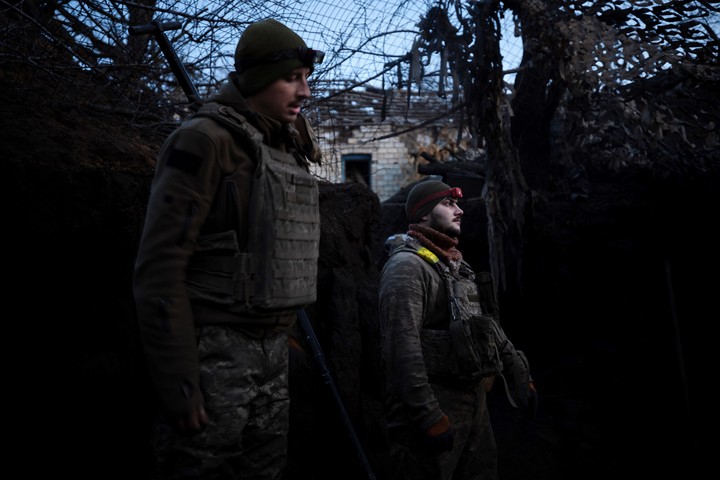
(615, 239)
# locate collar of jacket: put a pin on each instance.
(275, 134)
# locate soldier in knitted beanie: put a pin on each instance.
(425, 195)
(442, 347)
(207, 330)
(267, 50)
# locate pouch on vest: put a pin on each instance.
(472, 333)
(216, 267)
(441, 363)
(485, 355)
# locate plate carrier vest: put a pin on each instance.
(471, 347)
(278, 270)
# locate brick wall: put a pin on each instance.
(393, 160)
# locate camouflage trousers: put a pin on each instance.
(474, 454)
(244, 383)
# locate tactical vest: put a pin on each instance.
(471, 347)
(278, 270)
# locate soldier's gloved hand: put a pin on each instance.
(439, 437)
(193, 423)
(532, 403)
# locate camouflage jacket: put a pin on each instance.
(411, 297)
(418, 346)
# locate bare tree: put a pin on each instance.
(576, 55)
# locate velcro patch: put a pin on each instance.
(185, 161)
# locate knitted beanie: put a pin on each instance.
(258, 41)
(424, 196)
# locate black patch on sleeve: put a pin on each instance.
(185, 161)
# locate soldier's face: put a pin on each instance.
(446, 217)
(281, 100)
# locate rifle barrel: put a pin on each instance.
(328, 380)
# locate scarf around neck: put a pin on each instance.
(440, 244)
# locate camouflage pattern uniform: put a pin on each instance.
(413, 303)
(245, 389)
(219, 355)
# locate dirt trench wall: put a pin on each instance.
(619, 284)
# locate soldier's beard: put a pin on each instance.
(438, 243)
(445, 230)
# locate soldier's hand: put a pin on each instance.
(193, 423)
(439, 438)
(532, 403)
